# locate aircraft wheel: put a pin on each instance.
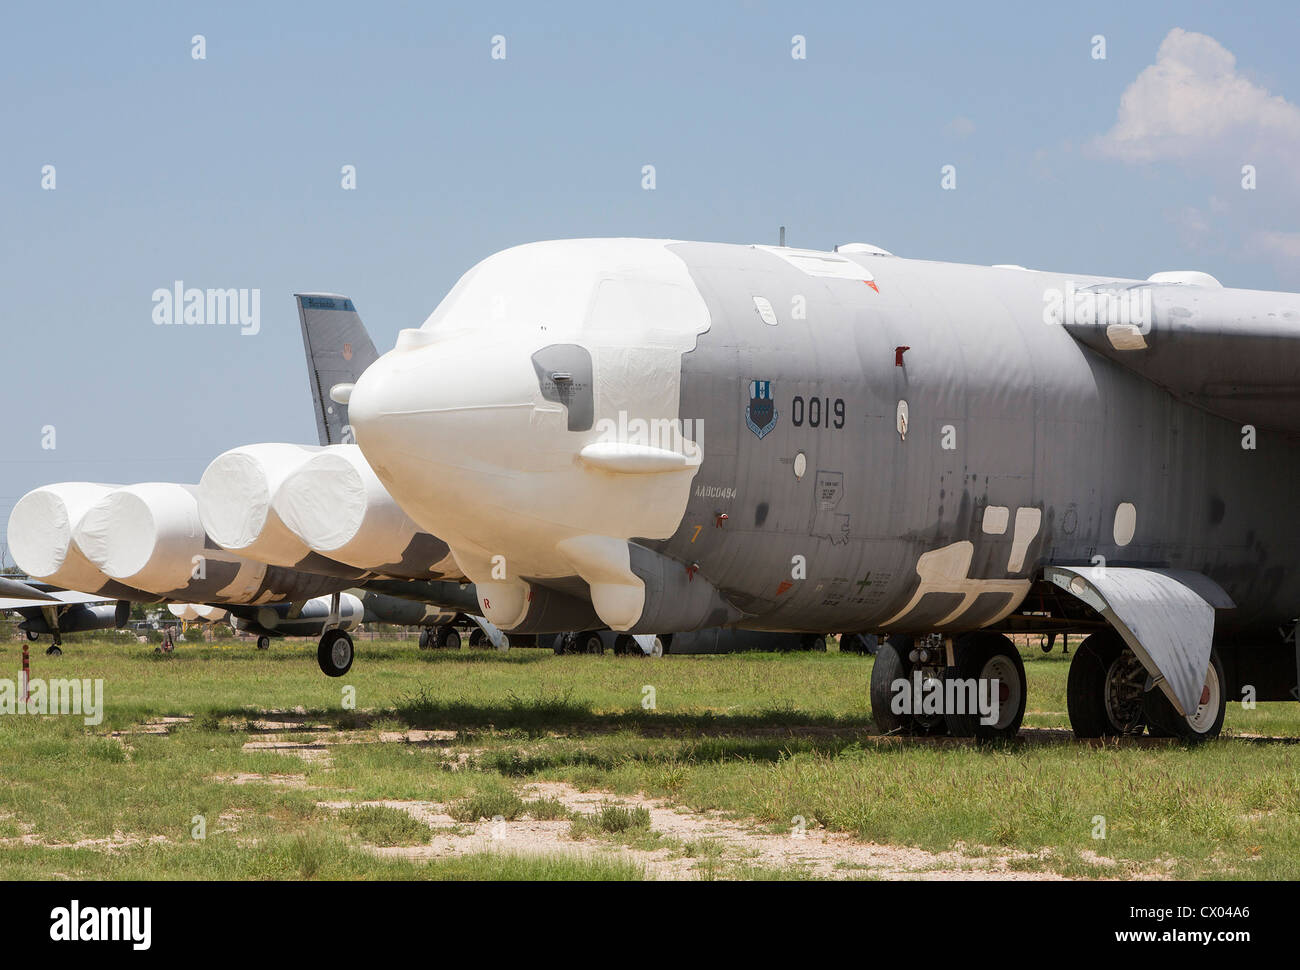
(1104, 691)
(1205, 722)
(590, 643)
(335, 653)
(984, 657)
(892, 666)
(53, 651)
(31, 637)
(658, 647)
(816, 643)
(561, 644)
(448, 638)
(263, 643)
(424, 639)
(624, 644)
(477, 637)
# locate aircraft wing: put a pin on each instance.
(1235, 353)
(16, 599)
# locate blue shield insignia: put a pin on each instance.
(761, 414)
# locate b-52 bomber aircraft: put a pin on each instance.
(661, 436)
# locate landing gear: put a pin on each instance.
(625, 644)
(447, 638)
(891, 679)
(590, 643)
(424, 639)
(991, 664)
(31, 637)
(53, 650)
(477, 637)
(1104, 692)
(335, 653)
(263, 643)
(815, 642)
(1202, 724)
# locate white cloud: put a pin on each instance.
(1192, 102)
(960, 127)
(1281, 249)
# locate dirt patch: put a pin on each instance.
(717, 845)
(246, 778)
(115, 842)
(159, 725)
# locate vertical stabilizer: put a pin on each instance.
(338, 350)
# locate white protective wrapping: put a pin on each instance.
(235, 496)
(211, 614)
(183, 611)
(336, 504)
(150, 536)
(41, 534)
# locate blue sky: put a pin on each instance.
(225, 172)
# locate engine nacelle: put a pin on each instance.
(42, 526)
(235, 506)
(151, 536)
(81, 618)
(286, 619)
(335, 504)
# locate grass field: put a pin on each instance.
(223, 762)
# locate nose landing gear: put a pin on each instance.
(334, 654)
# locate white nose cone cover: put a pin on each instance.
(336, 504)
(235, 496)
(41, 534)
(147, 535)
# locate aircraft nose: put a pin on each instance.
(441, 412)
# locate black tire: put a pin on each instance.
(891, 666)
(989, 656)
(263, 643)
(53, 651)
(561, 644)
(815, 642)
(591, 643)
(448, 638)
(424, 639)
(335, 652)
(31, 637)
(1092, 715)
(477, 637)
(1205, 723)
(624, 645)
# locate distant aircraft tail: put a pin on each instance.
(338, 350)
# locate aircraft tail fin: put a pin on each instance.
(338, 349)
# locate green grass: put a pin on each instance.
(385, 826)
(764, 737)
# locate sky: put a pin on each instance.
(130, 163)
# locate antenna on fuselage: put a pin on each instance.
(782, 242)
